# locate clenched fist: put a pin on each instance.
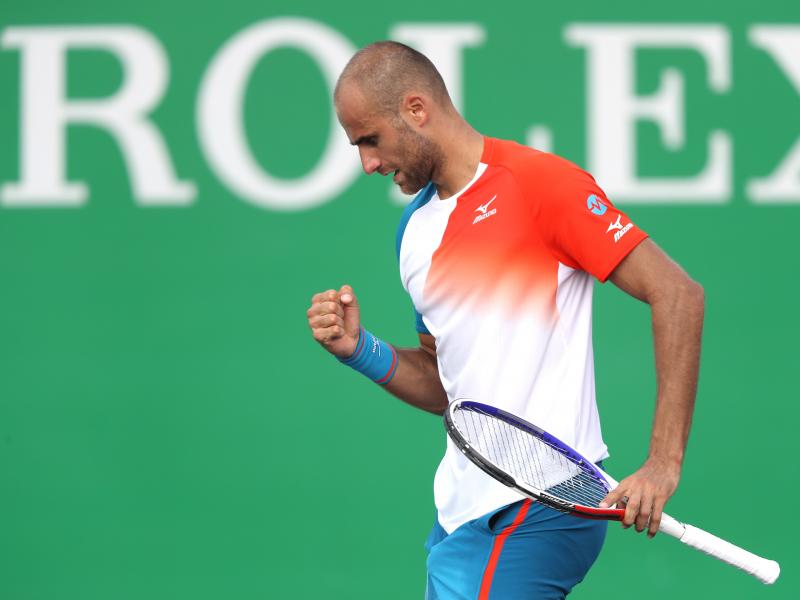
(335, 320)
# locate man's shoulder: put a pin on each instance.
(529, 163)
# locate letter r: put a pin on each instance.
(45, 113)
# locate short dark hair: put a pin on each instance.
(386, 71)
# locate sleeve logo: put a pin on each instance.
(594, 204)
(617, 225)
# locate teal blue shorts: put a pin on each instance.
(523, 551)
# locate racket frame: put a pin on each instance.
(559, 504)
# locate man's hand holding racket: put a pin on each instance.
(644, 494)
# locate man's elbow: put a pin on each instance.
(697, 293)
(693, 296)
(678, 295)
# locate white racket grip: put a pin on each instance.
(762, 568)
(765, 570)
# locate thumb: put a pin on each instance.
(352, 312)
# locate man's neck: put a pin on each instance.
(461, 154)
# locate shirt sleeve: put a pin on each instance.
(420, 324)
(580, 225)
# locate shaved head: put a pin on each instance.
(386, 71)
(394, 106)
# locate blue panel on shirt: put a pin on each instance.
(420, 200)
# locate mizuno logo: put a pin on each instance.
(615, 225)
(621, 230)
(483, 208)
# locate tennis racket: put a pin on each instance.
(539, 466)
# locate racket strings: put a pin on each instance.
(530, 460)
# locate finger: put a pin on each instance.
(645, 509)
(655, 517)
(632, 509)
(331, 296)
(328, 334)
(613, 497)
(321, 296)
(324, 321)
(346, 294)
(325, 308)
(352, 312)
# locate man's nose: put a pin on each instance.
(369, 163)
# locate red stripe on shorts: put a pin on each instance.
(497, 547)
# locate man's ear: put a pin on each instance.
(416, 108)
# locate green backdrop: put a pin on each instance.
(167, 423)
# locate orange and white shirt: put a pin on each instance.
(501, 274)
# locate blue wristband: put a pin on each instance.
(373, 357)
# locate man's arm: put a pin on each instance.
(335, 321)
(677, 305)
(416, 380)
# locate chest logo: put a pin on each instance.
(484, 211)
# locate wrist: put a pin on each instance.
(373, 358)
(671, 461)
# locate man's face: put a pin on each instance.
(386, 144)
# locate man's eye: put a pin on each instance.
(371, 141)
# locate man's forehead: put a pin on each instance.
(350, 98)
(354, 110)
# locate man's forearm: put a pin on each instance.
(417, 381)
(677, 330)
(677, 305)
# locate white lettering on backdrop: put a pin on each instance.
(220, 120)
(614, 108)
(782, 42)
(45, 113)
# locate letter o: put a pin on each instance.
(220, 116)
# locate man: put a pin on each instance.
(497, 252)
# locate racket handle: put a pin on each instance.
(765, 570)
(761, 568)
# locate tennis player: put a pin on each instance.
(499, 251)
